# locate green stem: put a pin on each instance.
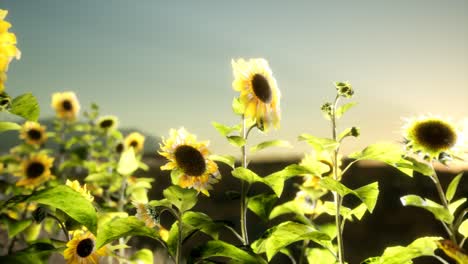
(304, 245)
(449, 228)
(244, 187)
(337, 197)
(178, 258)
(120, 208)
(65, 232)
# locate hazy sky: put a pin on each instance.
(164, 64)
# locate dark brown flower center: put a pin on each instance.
(67, 105)
(85, 247)
(35, 169)
(435, 135)
(261, 88)
(119, 148)
(106, 123)
(134, 143)
(190, 160)
(34, 134)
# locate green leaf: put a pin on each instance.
(420, 166)
(454, 206)
(172, 240)
(218, 248)
(436, 209)
(343, 109)
(15, 227)
(236, 141)
(320, 256)
(286, 208)
(225, 130)
(463, 228)
(127, 163)
(123, 227)
(226, 159)
(336, 186)
(424, 246)
(276, 180)
(452, 188)
(25, 106)
(70, 202)
(319, 144)
(37, 253)
(271, 143)
(142, 256)
(5, 126)
(183, 199)
(389, 153)
(262, 205)
(246, 175)
(237, 106)
(202, 222)
(368, 195)
(284, 234)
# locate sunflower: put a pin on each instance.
(82, 249)
(66, 105)
(135, 140)
(75, 185)
(107, 123)
(259, 93)
(307, 204)
(33, 133)
(147, 214)
(432, 136)
(8, 49)
(35, 170)
(188, 159)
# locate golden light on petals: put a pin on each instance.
(33, 133)
(35, 170)
(431, 136)
(8, 49)
(75, 185)
(259, 92)
(82, 249)
(135, 140)
(66, 105)
(188, 159)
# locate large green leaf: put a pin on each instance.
(16, 226)
(269, 144)
(70, 202)
(183, 199)
(455, 205)
(452, 188)
(226, 159)
(202, 222)
(225, 130)
(389, 153)
(436, 209)
(246, 175)
(123, 227)
(276, 180)
(319, 144)
(236, 141)
(343, 109)
(262, 205)
(320, 256)
(127, 163)
(26, 106)
(424, 246)
(218, 248)
(283, 235)
(5, 126)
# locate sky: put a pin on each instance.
(165, 64)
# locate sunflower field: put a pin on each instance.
(79, 190)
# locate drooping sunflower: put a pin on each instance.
(147, 214)
(188, 159)
(259, 92)
(135, 140)
(33, 133)
(75, 185)
(8, 49)
(82, 249)
(35, 170)
(66, 105)
(107, 123)
(432, 136)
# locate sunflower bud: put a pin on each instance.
(344, 89)
(39, 214)
(327, 110)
